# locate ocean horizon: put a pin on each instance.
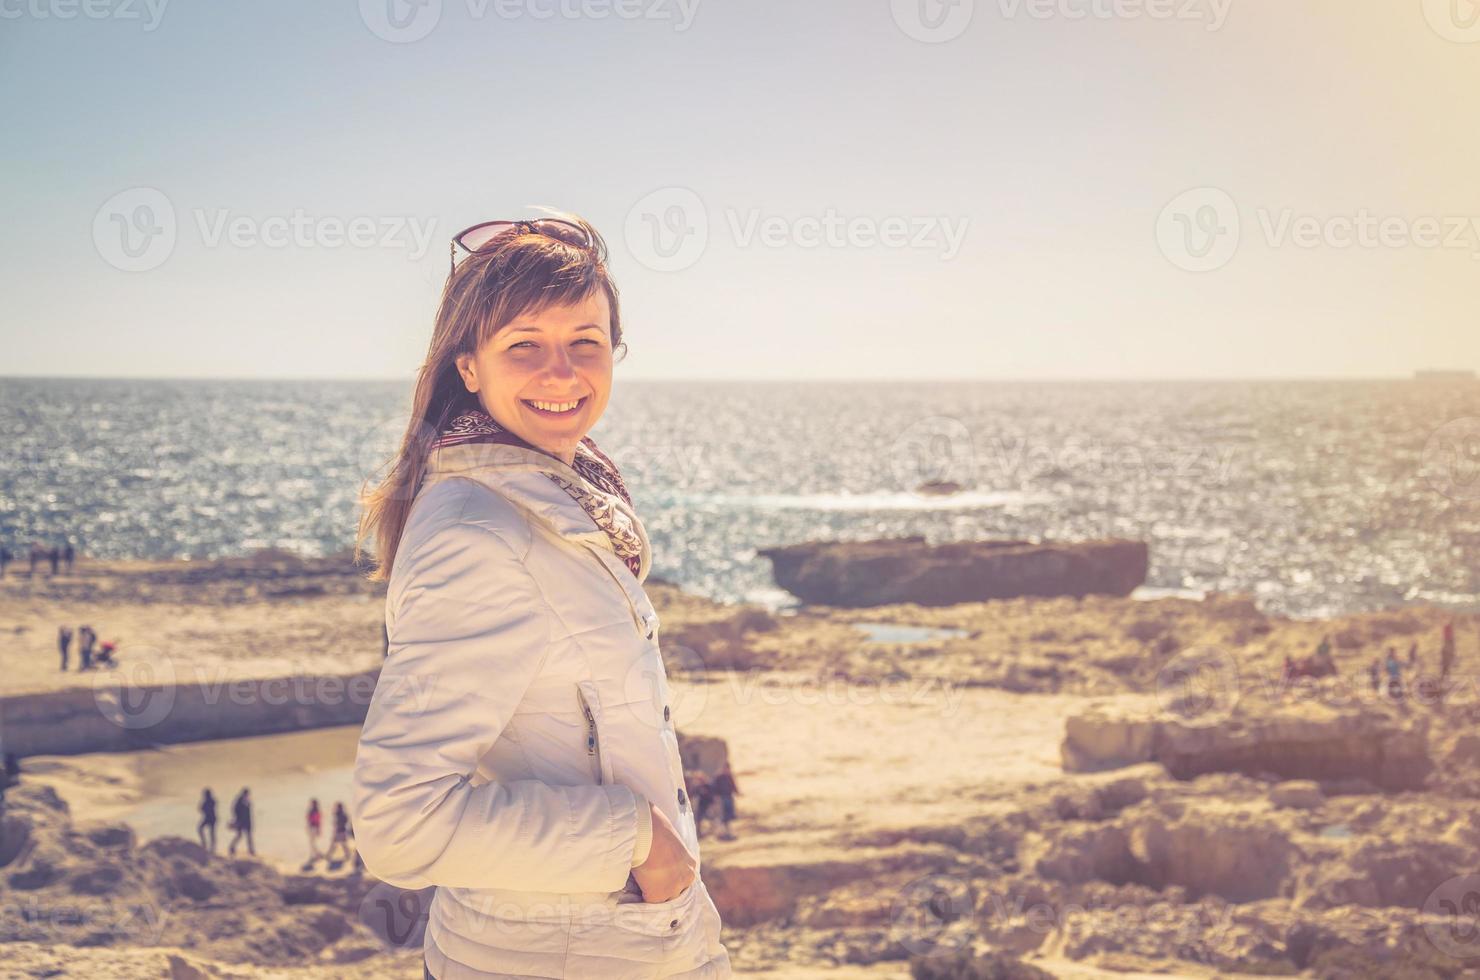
(1318, 496)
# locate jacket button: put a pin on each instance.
(673, 924)
(665, 712)
(682, 799)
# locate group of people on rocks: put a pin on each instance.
(56, 556)
(701, 789)
(87, 638)
(1387, 675)
(342, 833)
(241, 822)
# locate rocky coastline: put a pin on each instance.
(1032, 786)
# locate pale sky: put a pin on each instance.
(1045, 189)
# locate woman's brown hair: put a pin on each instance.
(519, 273)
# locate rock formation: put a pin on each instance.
(875, 573)
(1296, 742)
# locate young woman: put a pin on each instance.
(341, 834)
(207, 819)
(241, 822)
(519, 751)
(315, 830)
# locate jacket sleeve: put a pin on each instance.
(470, 632)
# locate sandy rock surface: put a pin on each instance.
(1084, 787)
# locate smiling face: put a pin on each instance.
(529, 373)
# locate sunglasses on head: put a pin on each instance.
(481, 236)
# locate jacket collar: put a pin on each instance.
(477, 448)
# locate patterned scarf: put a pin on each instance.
(600, 478)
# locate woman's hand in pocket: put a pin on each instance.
(669, 867)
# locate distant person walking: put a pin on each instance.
(36, 554)
(1394, 674)
(726, 790)
(1413, 656)
(85, 640)
(1321, 663)
(64, 643)
(6, 557)
(701, 791)
(241, 822)
(349, 828)
(8, 778)
(1374, 675)
(315, 831)
(54, 556)
(207, 825)
(341, 833)
(68, 555)
(1446, 651)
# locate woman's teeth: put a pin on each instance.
(555, 408)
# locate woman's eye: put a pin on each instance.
(583, 340)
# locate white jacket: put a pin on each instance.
(519, 727)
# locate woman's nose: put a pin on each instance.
(558, 365)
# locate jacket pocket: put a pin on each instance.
(590, 702)
(666, 919)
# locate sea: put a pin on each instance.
(1316, 497)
